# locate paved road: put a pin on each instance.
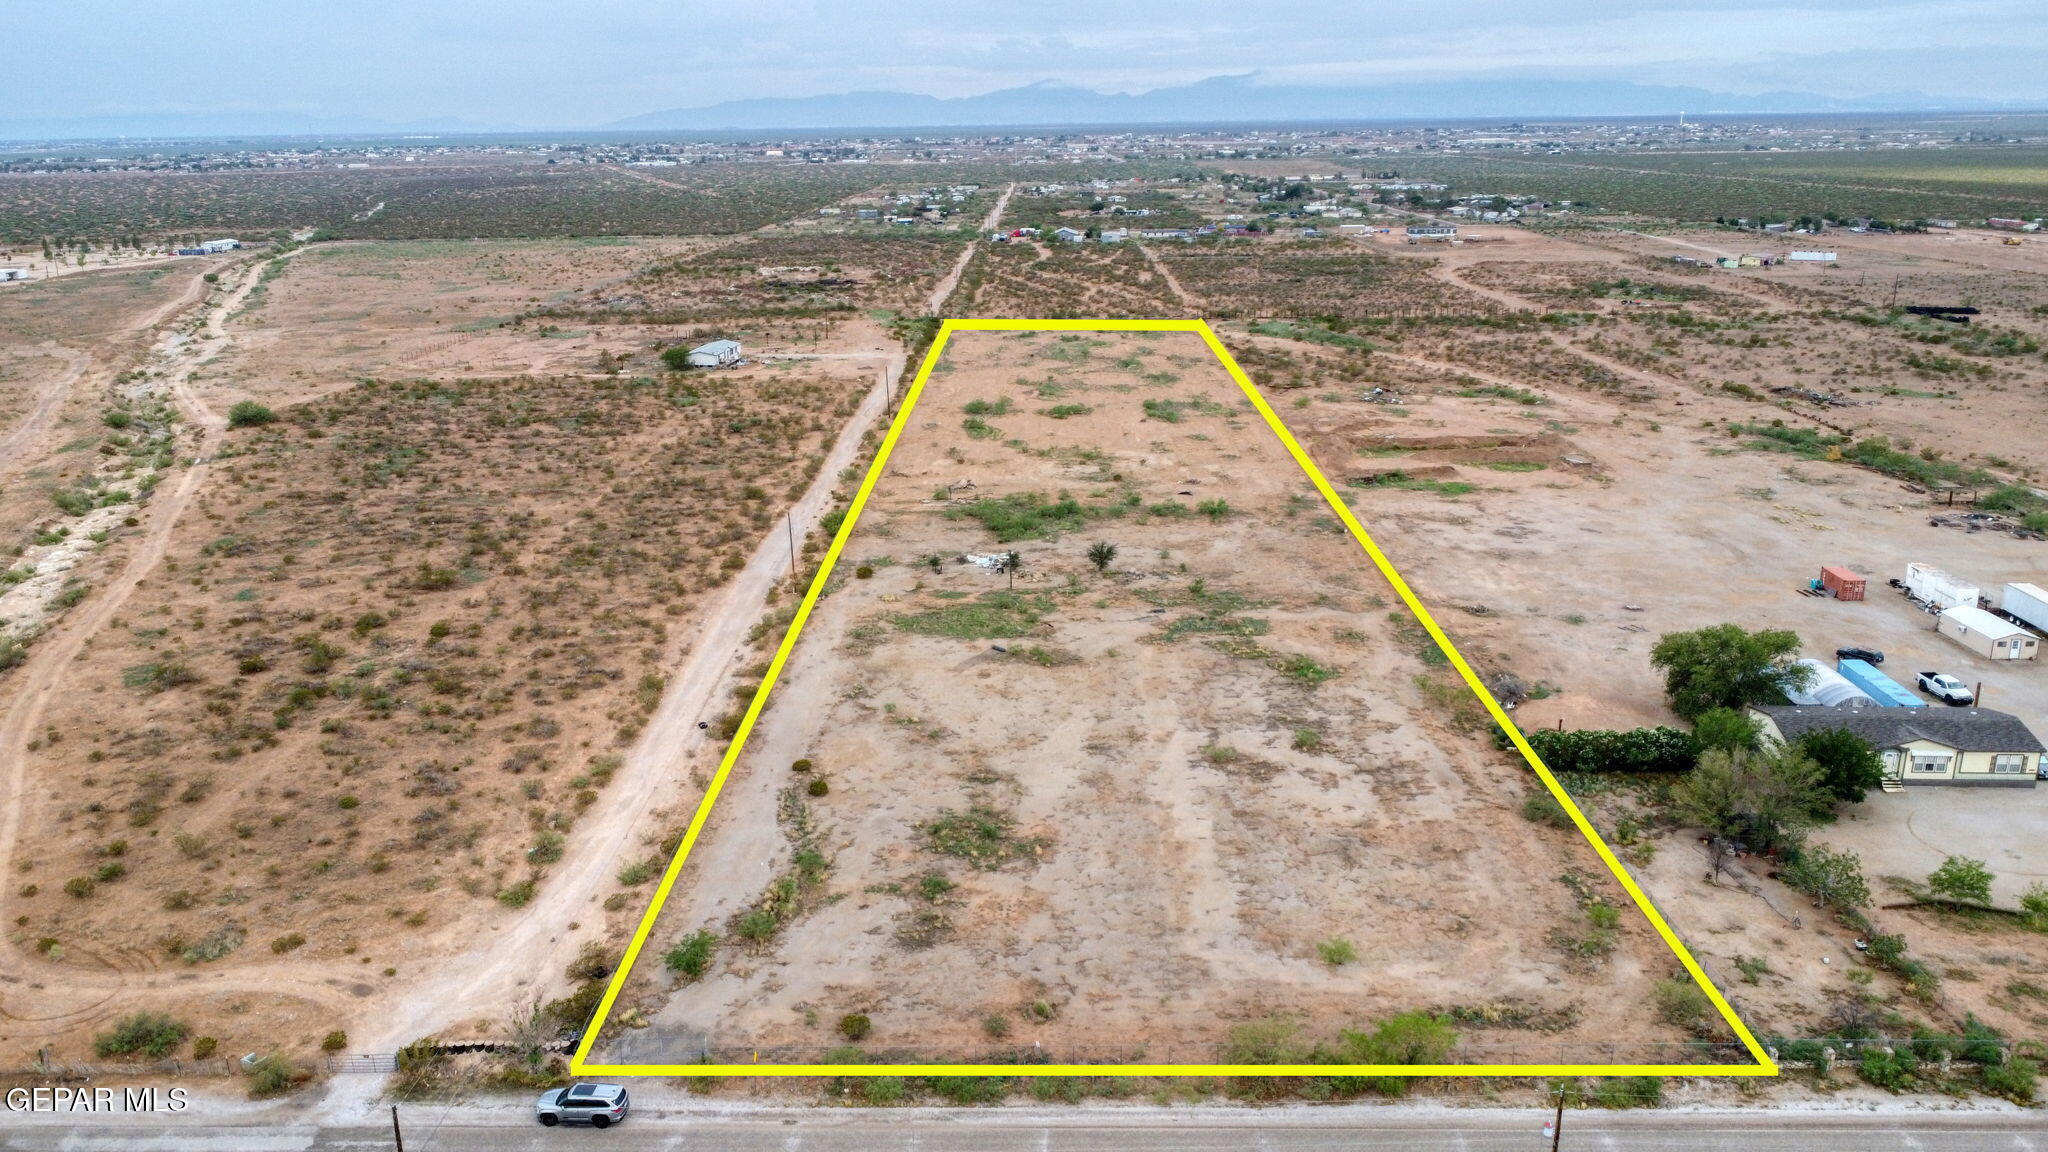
(1139, 1130)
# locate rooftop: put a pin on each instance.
(1964, 729)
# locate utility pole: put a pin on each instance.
(1557, 1125)
(397, 1137)
(789, 522)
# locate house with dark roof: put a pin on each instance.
(1968, 746)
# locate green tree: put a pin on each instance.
(1766, 800)
(1727, 666)
(1833, 878)
(1727, 728)
(1848, 762)
(1961, 878)
(677, 358)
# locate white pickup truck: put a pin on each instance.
(1946, 688)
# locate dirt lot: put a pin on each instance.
(1570, 582)
(1120, 812)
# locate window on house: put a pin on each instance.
(2014, 763)
(1930, 764)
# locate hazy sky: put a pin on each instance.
(565, 63)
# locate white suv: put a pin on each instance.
(598, 1105)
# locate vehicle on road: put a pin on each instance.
(598, 1105)
(1946, 688)
(1867, 655)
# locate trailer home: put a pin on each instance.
(1988, 635)
(1930, 585)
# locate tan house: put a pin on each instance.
(1973, 746)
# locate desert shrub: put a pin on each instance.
(692, 956)
(2017, 1080)
(274, 1075)
(864, 572)
(1102, 554)
(818, 787)
(334, 1041)
(883, 1090)
(1628, 1092)
(144, 1034)
(1304, 670)
(1833, 878)
(803, 765)
(1683, 1004)
(2034, 907)
(855, 1026)
(1891, 1071)
(249, 414)
(1540, 807)
(204, 1046)
(983, 836)
(1337, 953)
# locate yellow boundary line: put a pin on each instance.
(579, 1062)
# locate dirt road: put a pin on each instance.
(19, 447)
(32, 989)
(944, 289)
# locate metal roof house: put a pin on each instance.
(1959, 746)
(717, 354)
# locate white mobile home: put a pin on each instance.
(1810, 257)
(717, 354)
(1926, 583)
(1987, 635)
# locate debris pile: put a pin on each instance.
(1985, 522)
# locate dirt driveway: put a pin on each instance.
(1910, 833)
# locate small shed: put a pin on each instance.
(1841, 583)
(1987, 635)
(717, 354)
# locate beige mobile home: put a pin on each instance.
(1987, 635)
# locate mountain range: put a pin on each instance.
(1241, 99)
(1217, 100)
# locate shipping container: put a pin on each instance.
(1931, 585)
(2026, 603)
(1841, 583)
(1886, 691)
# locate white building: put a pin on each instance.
(1811, 257)
(1987, 635)
(717, 354)
(13, 274)
(225, 245)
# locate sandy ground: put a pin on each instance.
(1179, 850)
